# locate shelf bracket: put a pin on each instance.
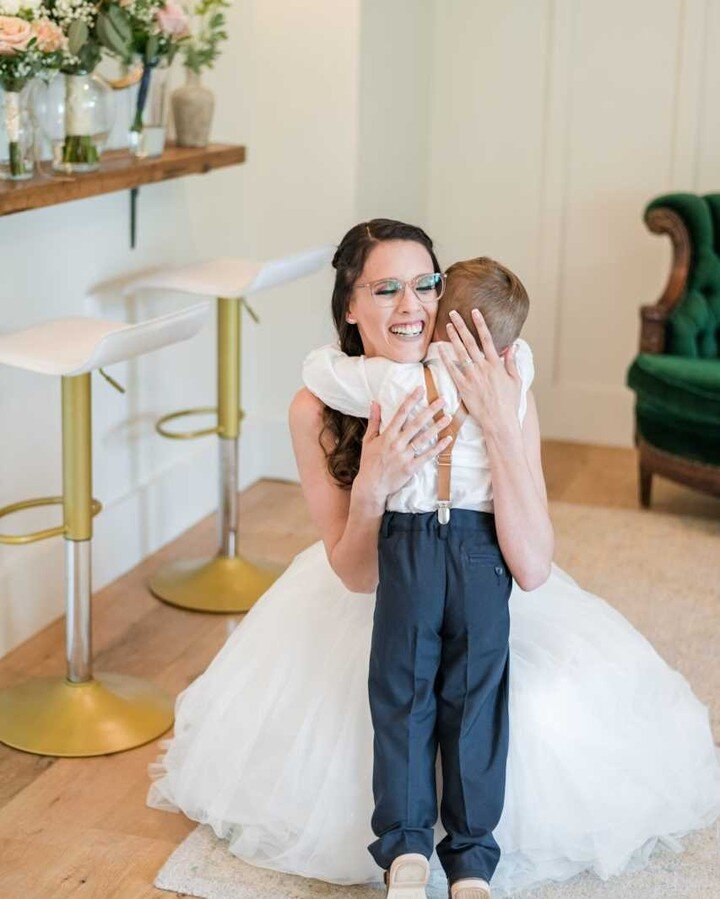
(134, 191)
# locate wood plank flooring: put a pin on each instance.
(80, 827)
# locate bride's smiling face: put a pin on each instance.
(401, 331)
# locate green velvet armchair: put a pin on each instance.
(676, 375)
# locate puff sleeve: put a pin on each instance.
(339, 380)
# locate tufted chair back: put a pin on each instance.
(693, 323)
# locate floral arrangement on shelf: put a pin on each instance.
(207, 33)
(150, 31)
(30, 43)
(44, 37)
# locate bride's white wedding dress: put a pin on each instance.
(610, 750)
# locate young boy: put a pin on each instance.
(439, 651)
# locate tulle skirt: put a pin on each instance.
(610, 750)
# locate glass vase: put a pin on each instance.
(76, 113)
(17, 139)
(147, 131)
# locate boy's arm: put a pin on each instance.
(339, 380)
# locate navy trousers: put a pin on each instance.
(439, 677)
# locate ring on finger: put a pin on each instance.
(419, 450)
(464, 363)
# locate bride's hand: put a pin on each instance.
(388, 460)
(490, 387)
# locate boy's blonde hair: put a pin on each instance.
(492, 288)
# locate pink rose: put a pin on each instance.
(15, 35)
(49, 35)
(173, 19)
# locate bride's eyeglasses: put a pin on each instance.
(388, 291)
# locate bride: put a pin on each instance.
(610, 750)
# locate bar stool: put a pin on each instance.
(82, 714)
(226, 582)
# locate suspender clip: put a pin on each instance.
(444, 459)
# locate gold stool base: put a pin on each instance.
(110, 713)
(221, 584)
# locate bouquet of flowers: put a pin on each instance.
(70, 109)
(29, 43)
(151, 30)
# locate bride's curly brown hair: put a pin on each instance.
(346, 431)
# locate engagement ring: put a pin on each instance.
(464, 363)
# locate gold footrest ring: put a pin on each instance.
(189, 435)
(34, 536)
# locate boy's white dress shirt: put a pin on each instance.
(350, 383)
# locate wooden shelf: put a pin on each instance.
(118, 171)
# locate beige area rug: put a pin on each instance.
(202, 866)
(663, 573)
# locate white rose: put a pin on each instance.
(31, 5)
(9, 7)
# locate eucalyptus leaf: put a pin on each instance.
(78, 33)
(121, 22)
(151, 48)
(89, 56)
(111, 39)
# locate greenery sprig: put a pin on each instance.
(201, 50)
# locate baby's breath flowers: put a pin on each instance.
(77, 19)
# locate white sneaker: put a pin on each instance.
(470, 888)
(407, 877)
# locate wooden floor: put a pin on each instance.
(80, 827)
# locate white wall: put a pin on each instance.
(394, 95)
(553, 124)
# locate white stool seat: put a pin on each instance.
(76, 345)
(233, 278)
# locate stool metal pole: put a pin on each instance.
(228, 387)
(77, 517)
(226, 582)
(228, 511)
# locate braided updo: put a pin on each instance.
(347, 432)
